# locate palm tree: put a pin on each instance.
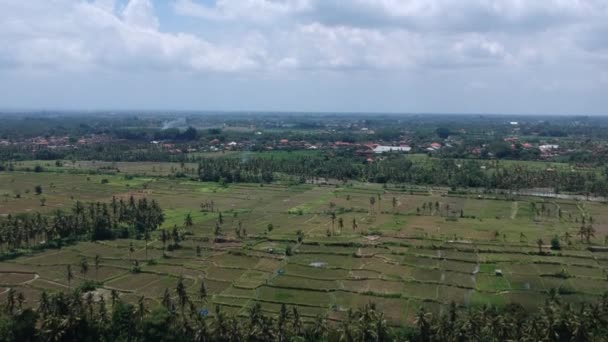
(333, 222)
(84, 267)
(297, 322)
(540, 243)
(114, 296)
(589, 233)
(355, 226)
(202, 291)
(372, 201)
(255, 322)
(582, 232)
(141, 307)
(97, 265)
(182, 295)
(282, 330)
(567, 237)
(131, 250)
(319, 328)
(69, 275)
(346, 330)
(188, 221)
(10, 300)
(146, 239)
(164, 237)
(341, 224)
(424, 326)
(89, 302)
(166, 300)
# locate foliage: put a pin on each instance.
(64, 317)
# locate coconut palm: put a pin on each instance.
(69, 275)
(372, 201)
(540, 243)
(97, 265)
(84, 267)
(182, 295)
(202, 291)
(589, 233)
(188, 222)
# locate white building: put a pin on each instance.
(547, 148)
(383, 149)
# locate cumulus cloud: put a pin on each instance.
(140, 13)
(268, 35)
(80, 35)
(256, 10)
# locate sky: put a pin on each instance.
(414, 56)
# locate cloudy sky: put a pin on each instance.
(481, 56)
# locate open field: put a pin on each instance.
(418, 250)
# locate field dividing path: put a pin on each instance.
(514, 210)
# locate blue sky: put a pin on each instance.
(481, 56)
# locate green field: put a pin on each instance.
(400, 257)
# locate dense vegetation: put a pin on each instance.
(94, 221)
(79, 317)
(396, 169)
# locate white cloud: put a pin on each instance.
(256, 10)
(303, 35)
(140, 13)
(81, 35)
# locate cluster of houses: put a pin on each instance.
(546, 150)
(57, 142)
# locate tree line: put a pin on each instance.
(81, 316)
(93, 221)
(397, 169)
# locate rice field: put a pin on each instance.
(417, 250)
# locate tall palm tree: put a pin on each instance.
(582, 232)
(346, 328)
(166, 300)
(164, 237)
(202, 291)
(372, 201)
(141, 307)
(589, 233)
(424, 326)
(146, 240)
(97, 266)
(283, 319)
(182, 295)
(84, 267)
(131, 250)
(297, 325)
(567, 237)
(540, 243)
(188, 222)
(69, 275)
